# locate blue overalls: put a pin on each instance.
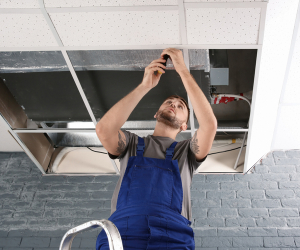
(148, 213)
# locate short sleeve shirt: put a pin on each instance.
(155, 147)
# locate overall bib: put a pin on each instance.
(148, 212)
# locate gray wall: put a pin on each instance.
(253, 211)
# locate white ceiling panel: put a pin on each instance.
(84, 3)
(292, 88)
(19, 4)
(117, 28)
(222, 25)
(25, 30)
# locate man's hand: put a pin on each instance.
(176, 57)
(150, 80)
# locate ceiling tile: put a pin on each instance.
(84, 3)
(117, 28)
(19, 4)
(25, 30)
(222, 25)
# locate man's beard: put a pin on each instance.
(168, 119)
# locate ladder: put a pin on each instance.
(112, 232)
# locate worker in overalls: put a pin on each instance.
(151, 204)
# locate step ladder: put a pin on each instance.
(112, 232)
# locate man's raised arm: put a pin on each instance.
(108, 128)
(114, 118)
(203, 138)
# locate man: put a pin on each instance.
(151, 204)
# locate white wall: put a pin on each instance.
(286, 134)
(269, 78)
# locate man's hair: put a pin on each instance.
(187, 106)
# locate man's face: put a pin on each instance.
(174, 118)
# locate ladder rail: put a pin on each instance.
(112, 232)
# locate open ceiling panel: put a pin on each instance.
(42, 84)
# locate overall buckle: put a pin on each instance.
(169, 152)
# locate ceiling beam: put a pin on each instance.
(183, 35)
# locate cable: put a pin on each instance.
(97, 151)
(225, 150)
(223, 145)
(207, 154)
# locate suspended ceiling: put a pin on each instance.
(82, 25)
(106, 23)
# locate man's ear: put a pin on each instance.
(183, 127)
(155, 115)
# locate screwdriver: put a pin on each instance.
(166, 56)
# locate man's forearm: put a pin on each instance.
(114, 118)
(201, 106)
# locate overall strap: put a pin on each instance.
(170, 151)
(140, 147)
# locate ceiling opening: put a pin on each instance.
(41, 83)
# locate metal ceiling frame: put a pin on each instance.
(183, 32)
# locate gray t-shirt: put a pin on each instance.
(155, 147)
